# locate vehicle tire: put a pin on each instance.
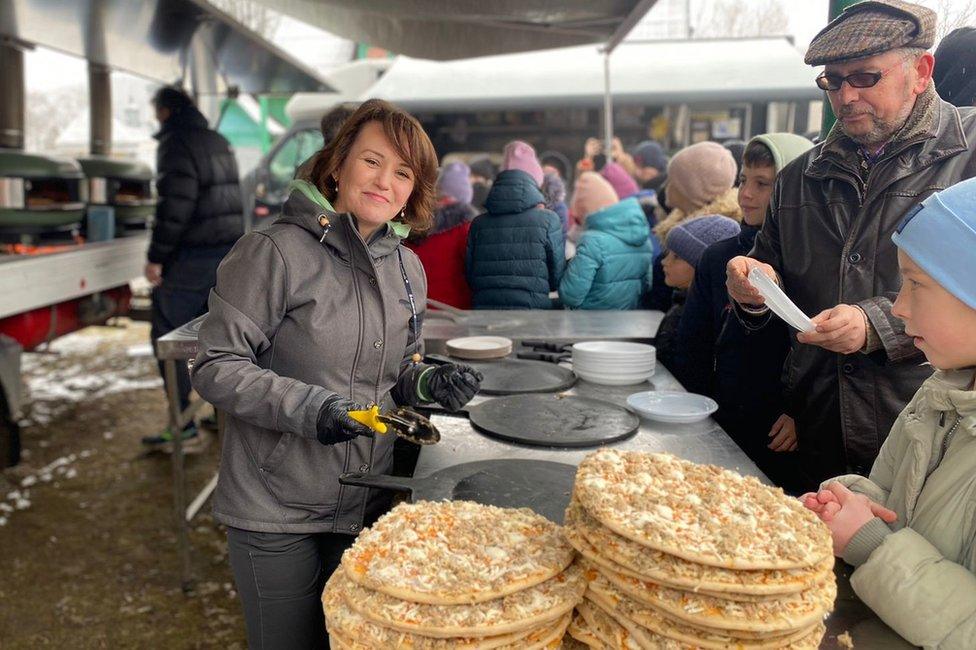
(9, 437)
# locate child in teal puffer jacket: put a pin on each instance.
(609, 270)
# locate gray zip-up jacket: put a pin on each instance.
(293, 320)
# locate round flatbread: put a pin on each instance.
(456, 552)
(345, 623)
(779, 615)
(611, 633)
(606, 548)
(580, 630)
(700, 513)
(624, 608)
(516, 612)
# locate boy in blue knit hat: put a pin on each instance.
(909, 529)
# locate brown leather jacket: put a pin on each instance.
(828, 234)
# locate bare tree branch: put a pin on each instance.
(734, 18)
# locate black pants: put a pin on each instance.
(280, 577)
(187, 280)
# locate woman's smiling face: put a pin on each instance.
(374, 182)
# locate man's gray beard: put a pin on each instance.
(882, 131)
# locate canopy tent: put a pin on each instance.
(454, 29)
(159, 39)
(761, 69)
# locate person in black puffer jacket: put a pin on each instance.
(198, 218)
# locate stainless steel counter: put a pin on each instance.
(702, 442)
(556, 325)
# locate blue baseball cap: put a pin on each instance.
(940, 236)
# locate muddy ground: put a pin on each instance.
(87, 548)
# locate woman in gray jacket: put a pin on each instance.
(313, 317)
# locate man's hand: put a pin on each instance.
(737, 280)
(845, 512)
(783, 434)
(840, 329)
(154, 273)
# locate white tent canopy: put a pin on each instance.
(452, 29)
(660, 72)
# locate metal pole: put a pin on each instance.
(12, 99)
(607, 108)
(179, 477)
(100, 109)
(836, 8)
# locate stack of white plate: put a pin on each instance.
(613, 363)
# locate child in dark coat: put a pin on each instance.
(716, 354)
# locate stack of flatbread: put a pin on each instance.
(454, 574)
(680, 555)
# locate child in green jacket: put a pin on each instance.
(910, 528)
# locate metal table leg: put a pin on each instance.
(179, 475)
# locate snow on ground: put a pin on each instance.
(84, 365)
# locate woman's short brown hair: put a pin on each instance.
(411, 143)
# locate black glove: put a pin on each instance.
(334, 424)
(453, 385)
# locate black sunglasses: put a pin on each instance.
(829, 81)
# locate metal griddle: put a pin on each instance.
(547, 420)
(541, 485)
(515, 376)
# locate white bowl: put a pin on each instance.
(672, 406)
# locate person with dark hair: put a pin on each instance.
(554, 190)
(482, 175)
(198, 219)
(316, 316)
(738, 365)
(554, 162)
(736, 148)
(330, 124)
(650, 165)
(955, 67)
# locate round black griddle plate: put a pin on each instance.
(553, 421)
(541, 485)
(518, 376)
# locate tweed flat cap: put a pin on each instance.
(872, 27)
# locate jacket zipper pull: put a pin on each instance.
(326, 227)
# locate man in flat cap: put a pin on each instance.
(827, 237)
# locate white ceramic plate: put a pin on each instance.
(672, 406)
(613, 379)
(615, 349)
(479, 347)
(779, 302)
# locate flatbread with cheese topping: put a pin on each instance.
(604, 593)
(634, 634)
(700, 513)
(345, 623)
(516, 612)
(611, 633)
(779, 615)
(580, 630)
(610, 550)
(456, 552)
